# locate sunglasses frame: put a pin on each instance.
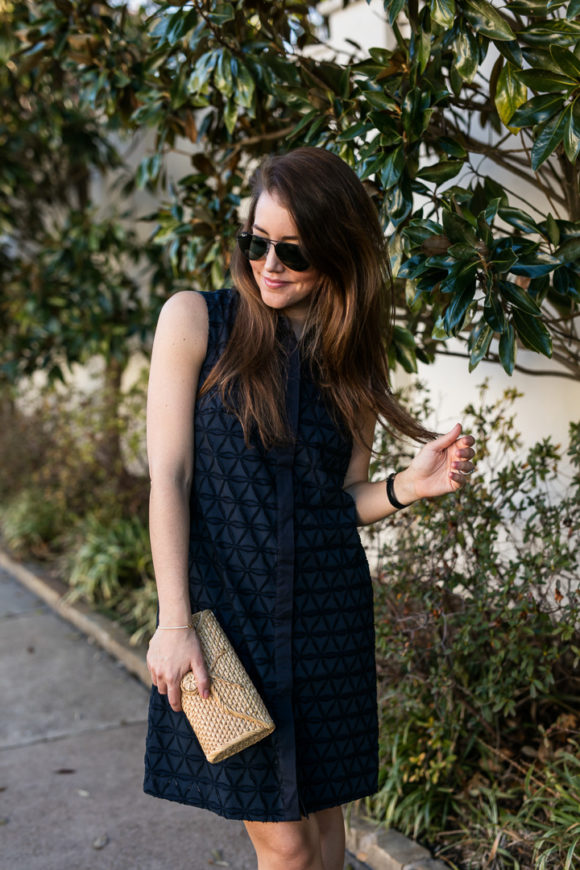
(250, 238)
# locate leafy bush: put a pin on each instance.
(112, 556)
(477, 618)
(74, 451)
(33, 523)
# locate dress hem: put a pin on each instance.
(252, 817)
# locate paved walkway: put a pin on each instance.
(72, 731)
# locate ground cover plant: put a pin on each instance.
(478, 655)
(74, 494)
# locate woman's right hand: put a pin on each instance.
(171, 655)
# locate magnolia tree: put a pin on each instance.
(473, 105)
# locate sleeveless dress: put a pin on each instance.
(275, 553)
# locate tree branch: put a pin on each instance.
(535, 372)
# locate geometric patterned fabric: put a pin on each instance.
(276, 555)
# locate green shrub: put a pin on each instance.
(82, 451)
(34, 523)
(112, 558)
(111, 567)
(477, 619)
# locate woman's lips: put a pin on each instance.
(272, 282)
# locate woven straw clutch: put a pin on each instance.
(234, 716)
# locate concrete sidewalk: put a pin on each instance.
(72, 731)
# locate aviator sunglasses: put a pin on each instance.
(256, 247)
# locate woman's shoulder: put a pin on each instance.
(184, 310)
(193, 308)
(202, 320)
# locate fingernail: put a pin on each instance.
(205, 693)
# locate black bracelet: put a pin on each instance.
(391, 493)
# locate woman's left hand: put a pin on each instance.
(440, 467)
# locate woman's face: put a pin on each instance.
(280, 287)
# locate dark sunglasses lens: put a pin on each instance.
(252, 246)
(257, 248)
(292, 257)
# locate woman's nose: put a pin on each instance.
(272, 263)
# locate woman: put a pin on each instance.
(262, 406)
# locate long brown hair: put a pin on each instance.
(348, 324)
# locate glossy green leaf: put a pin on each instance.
(416, 232)
(461, 251)
(515, 217)
(491, 210)
(442, 171)
(548, 139)
(443, 12)
(480, 345)
(224, 14)
(528, 7)
(486, 20)
(510, 93)
(404, 347)
(569, 252)
(552, 230)
(566, 60)
(420, 45)
(532, 332)
(541, 80)
(540, 59)
(511, 51)
(381, 55)
(451, 147)
(572, 131)
(456, 310)
(504, 260)
(388, 125)
(466, 54)
(395, 7)
(461, 277)
(517, 297)
(244, 87)
(537, 110)
(557, 31)
(223, 76)
(230, 115)
(306, 119)
(202, 71)
(179, 25)
(379, 100)
(399, 203)
(353, 132)
(413, 267)
(458, 229)
(561, 281)
(507, 348)
(416, 112)
(439, 332)
(494, 313)
(535, 265)
(392, 167)
(573, 10)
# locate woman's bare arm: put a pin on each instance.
(179, 350)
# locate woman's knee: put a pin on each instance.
(286, 845)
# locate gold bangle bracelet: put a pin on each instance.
(174, 627)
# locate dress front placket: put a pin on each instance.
(285, 593)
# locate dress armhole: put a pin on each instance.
(220, 308)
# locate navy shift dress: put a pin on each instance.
(275, 553)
